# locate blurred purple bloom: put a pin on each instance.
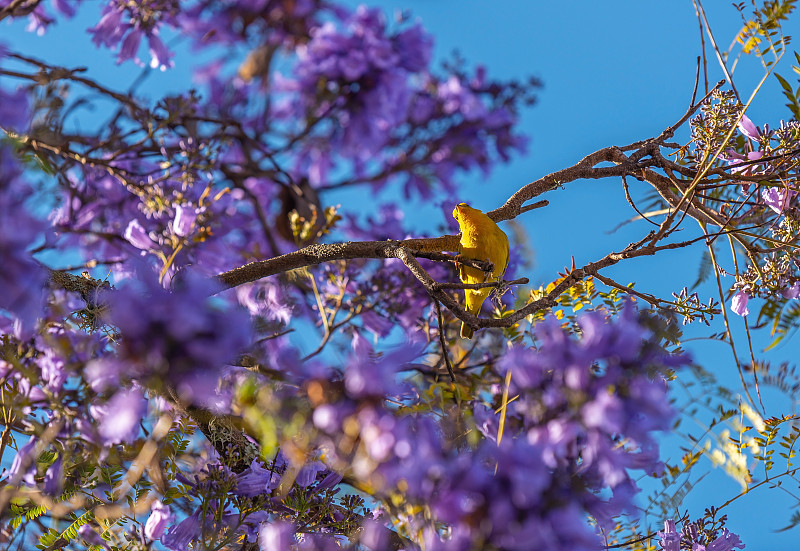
(23, 467)
(184, 335)
(22, 279)
(127, 22)
(185, 215)
(739, 303)
(54, 477)
(137, 236)
(376, 323)
(792, 292)
(365, 376)
(329, 482)
(110, 29)
(486, 421)
(130, 46)
(276, 536)
(38, 16)
(267, 299)
(374, 536)
(370, 69)
(328, 417)
(606, 411)
(53, 371)
(160, 57)
(90, 536)
(160, 517)
(119, 418)
(103, 373)
(14, 109)
(414, 46)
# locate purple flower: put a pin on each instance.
(366, 377)
(778, 199)
(276, 536)
(308, 473)
(670, 538)
(370, 69)
(185, 216)
(130, 46)
(110, 29)
(726, 542)
(23, 467)
(22, 279)
(103, 373)
(739, 303)
(414, 46)
(792, 292)
(748, 128)
(54, 477)
(160, 517)
(374, 535)
(90, 536)
(160, 57)
(14, 109)
(183, 336)
(181, 535)
(137, 236)
(54, 374)
(119, 418)
(256, 480)
(265, 298)
(127, 22)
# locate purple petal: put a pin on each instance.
(159, 55)
(120, 417)
(158, 520)
(739, 303)
(137, 236)
(793, 291)
(748, 128)
(184, 219)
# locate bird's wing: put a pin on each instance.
(507, 250)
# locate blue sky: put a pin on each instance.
(614, 72)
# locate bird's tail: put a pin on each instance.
(466, 331)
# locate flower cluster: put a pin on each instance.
(22, 278)
(368, 91)
(361, 74)
(593, 404)
(571, 438)
(39, 18)
(124, 24)
(182, 338)
(696, 537)
(276, 23)
(220, 410)
(756, 153)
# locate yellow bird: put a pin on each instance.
(481, 239)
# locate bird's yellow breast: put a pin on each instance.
(481, 239)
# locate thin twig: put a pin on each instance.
(445, 355)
